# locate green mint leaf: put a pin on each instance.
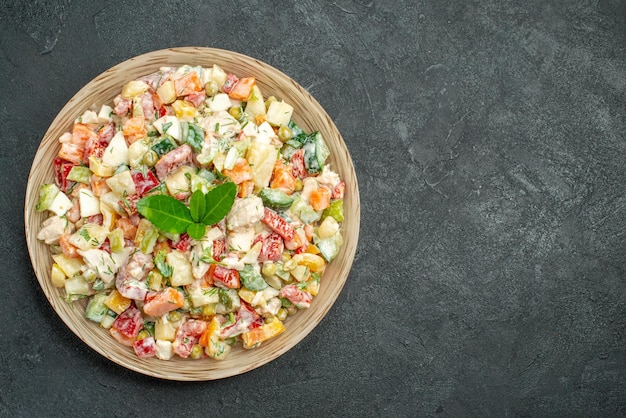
(166, 213)
(197, 205)
(196, 230)
(218, 203)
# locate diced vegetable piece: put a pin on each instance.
(164, 146)
(77, 287)
(261, 158)
(47, 193)
(327, 228)
(278, 224)
(89, 236)
(243, 89)
(116, 302)
(96, 308)
(181, 268)
(122, 184)
(256, 104)
(184, 110)
(80, 174)
(60, 204)
(320, 198)
(69, 266)
(251, 278)
(304, 211)
(266, 331)
(136, 152)
(146, 236)
(134, 88)
(335, 209)
(279, 113)
(329, 247)
(283, 180)
(314, 262)
(178, 182)
(57, 276)
(89, 204)
(219, 102)
(145, 347)
(99, 169)
(163, 302)
(167, 92)
(170, 125)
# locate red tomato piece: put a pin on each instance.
(272, 247)
(183, 243)
(62, 168)
(187, 336)
(145, 347)
(144, 182)
(226, 278)
(298, 297)
(129, 322)
(219, 249)
(277, 224)
(94, 147)
(298, 169)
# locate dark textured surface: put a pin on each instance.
(489, 140)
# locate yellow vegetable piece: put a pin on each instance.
(70, 266)
(116, 302)
(184, 109)
(57, 276)
(268, 330)
(314, 262)
(134, 88)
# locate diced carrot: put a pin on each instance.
(81, 133)
(68, 249)
(212, 330)
(246, 188)
(99, 185)
(190, 83)
(129, 229)
(283, 179)
(240, 172)
(134, 129)
(72, 152)
(207, 279)
(320, 198)
(243, 89)
(168, 300)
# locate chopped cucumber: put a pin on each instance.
(47, 193)
(96, 309)
(276, 199)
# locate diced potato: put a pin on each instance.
(177, 182)
(134, 88)
(181, 268)
(204, 296)
(164, 349)
(57, 276)
(220, 101)
(164, 329)
(136, 151)
(109, 216)
(122, 184)
(111, 200)
(89, 236)
(167, 92)
(279, 113)
(116, 153)
(261, 158)
(69, 266)
(89, 116)
(77, 286)
(300, 273)
(89, 204)
(256, 104)
(60, 204)
(104, 115)
(218, 75)
(169, 124)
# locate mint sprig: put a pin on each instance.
(173, 216)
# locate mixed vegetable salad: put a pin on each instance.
(192, 212)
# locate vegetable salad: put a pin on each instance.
(192, 212)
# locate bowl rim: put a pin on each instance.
(49, 140)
